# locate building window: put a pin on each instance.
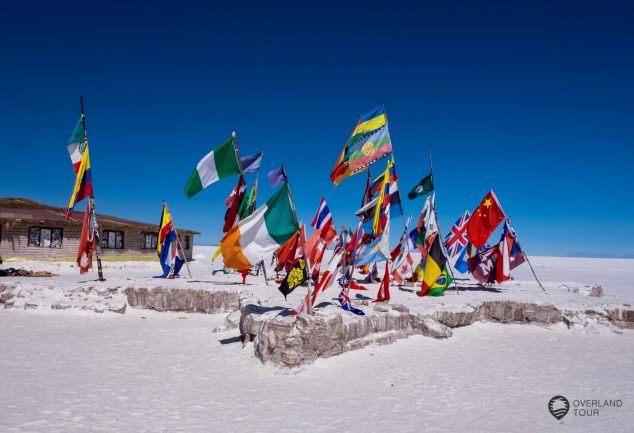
(148, 241)
(184, 241)
(112, 240)
(48, 237)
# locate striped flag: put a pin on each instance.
(76, 145)
(322, 217)
(219, 163)
(260, 234)
(83, 183)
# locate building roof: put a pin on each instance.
(28, 210)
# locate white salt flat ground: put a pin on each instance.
(154, 372)
(73, 371)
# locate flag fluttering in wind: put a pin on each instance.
(167, 246)
(434, 266)
(247, 206)
(86, 241)
(289, 252)
(234, 201)
(427, 226)
(462, 261)
(276, 177)
(425, 186)
(251, 163)
(296, 276)
(77, 145)
(260, 234)
(456, 239)
(322, 217)
(383, 294)
(83, 183)
(218, 164)
(327, 280)
(369, 142)
(484, 220)
(483, 266)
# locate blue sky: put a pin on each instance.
(533, 100)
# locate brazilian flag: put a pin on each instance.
(442, 283)
(434, 267)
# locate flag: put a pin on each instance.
(383, 294)
(427, 226)
(276, 177)
(462, 262)
(483, 266)
(442, 283)
(167, 246)
(372, 277)
(516, 255)
(86, 241)
(367, 124)
(247, 205)
(218, 164)
(234, 201)
(316, 246)
(503, 265)
(344, 300)
(484, 220)
(456, 239)
(260, 234)
(322, 217)
(83, 183)
(288, 252)
(297, 275)
(434, 266)
(77, 145)
(369, 150)
(423, 187)
(372, 253)
(327, 280)
(403, 266)
(251, 163)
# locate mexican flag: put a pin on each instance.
(219, 163)
(260, 234)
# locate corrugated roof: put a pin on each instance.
(29, 210)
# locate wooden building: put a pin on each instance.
(37, 231)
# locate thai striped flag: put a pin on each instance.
(323, 216)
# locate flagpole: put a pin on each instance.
(92, 198)
(178, 239)
(257, 176)
(517, 239)
(442, 246)
(302, 242)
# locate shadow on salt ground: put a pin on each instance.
(220, 283)
(362, 297)
(231, 340)
(479, 288)
(403, 289)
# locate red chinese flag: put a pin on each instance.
(484, 220)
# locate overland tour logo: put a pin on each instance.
(558, 406)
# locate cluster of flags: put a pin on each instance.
(252, 234)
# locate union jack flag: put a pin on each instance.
(456, 240)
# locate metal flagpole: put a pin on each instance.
(92, 199)
(517, 239)
(302, 242)
(178, 239)
(442, 246)
(266, 278)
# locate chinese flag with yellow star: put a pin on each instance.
(484, 220)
